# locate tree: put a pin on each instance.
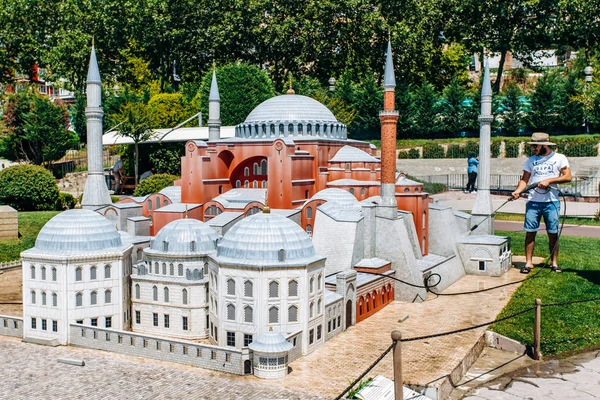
(34, 129)
(545, 103)
(453, 109)
(166, 110)
(578, 25)
(135, 124)
(513, 115)
(424, 110)
(241, 87)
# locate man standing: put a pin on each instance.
(545, 167)
(117, 171)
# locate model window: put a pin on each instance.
(205, 268)
(43, 273)
(78, 274)
(106, 271)
(154, 319)
(107, 296)
(154, 293)
(319, 328)
(166, 294)
(231, 312)
(78, 300)
(230, 287)
(246, 184)
(93, 272)
(33, 323)
(312, 284)
(43, 298)
(138, 317)
(362, 191)
(351, 190)
(54, 300)
(137, 291)
(165, 248)
(255, 169)
(274, 289)
(273, 315)
(180, 270)
(166, 320)
(319, 304)
(248, 314)
(184, 322)
(231, 339)
(309, 212)
(248, 289)
(33, 272)
(293, 314)
(281, 255)
(247, 339)
(164, 266)
(54, 274)
(293, 288)
(171, 269)
(312, 309)
(246, 171)
(93, 298)
(238, 183)
(320, 282)
(263, 167)
(108, 322)
(184, 295)
(309, 229)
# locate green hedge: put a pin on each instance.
(410, 154)
(428, 187)
(433, 150)
(154, 184)
(578, 147)
(28, 188)
(511, 148)
(495, 148)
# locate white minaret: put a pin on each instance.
(96, 193)
(483, 202)
(214, 110)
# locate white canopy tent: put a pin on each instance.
(177, 135)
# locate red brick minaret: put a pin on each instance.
(389, 118)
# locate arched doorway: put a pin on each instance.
(247, 367)
(348, 314)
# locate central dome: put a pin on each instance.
(259, 240)
(290, 108)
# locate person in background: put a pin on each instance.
(118, 173)
(545, 167)
(473, 163)
(147, 174)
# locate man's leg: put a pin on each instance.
(117, 177)
(532, 223)
(529, 247)
(553, 241)
(552, 221)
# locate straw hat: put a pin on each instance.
(541, 138)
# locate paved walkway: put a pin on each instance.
(576, 378)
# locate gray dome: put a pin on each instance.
(270, 342)
(78, 231)
(258, 240)
(290, 108)
(180, 234)
(339, 196)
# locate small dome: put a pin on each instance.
(270, 342)
(185, 236)
(352, 154)
(259, 239)
(290, 108)
(78, 231)
(173, 193)
(339, 196)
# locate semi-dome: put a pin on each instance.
(266, 239)
(270, 342)
(339, 196)
(291, 115)
(185, 236)
(77, 231)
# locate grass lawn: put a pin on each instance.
(568, 220)
(30, 223)
(564, 328)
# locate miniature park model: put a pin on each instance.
(264, 249)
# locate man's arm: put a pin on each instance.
(564, 177)
(521, 185)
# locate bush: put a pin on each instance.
(511, 148)
(456, 151)
(495, 148)
(433, 150)
(429, 187)
(414, 154)
(65, 201)
(28, 188)
(578, 147)
(403, 155)
(154, 184)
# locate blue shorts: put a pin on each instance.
(550, 210)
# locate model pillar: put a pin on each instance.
(214, 110)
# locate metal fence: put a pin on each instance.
(579, 186)
(76, 160)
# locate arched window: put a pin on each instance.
(157, 202)
(106, 271)
(78, 274)
(137, 291)
(367, 301)
(319, 304)
(273, 315)
(246, 171)
(406, 190)
(193, 245)
(180, 269)
(255, 169)
(164, 267)
(93, 298)
(184, 295)
(33, 297)
(149, 204)
(363, 191)
(78, 300)
(33, 272)
(246, 184)
(320, 282)
(54, 274)
(264, 184)
(154, 293)
(382, 296)
(43, 298)
(238, 183)
(166, 294)
(248, 317)
(293, 314)
(263, 167)
(351, 190)
(171, 269)
(312, 309)
(312, 284)
(165, 248)
(107, 296)
(230, 287)
(43, 273)
(54, 300)
(196, 274)
(281, 255)
(93, 273)
(309, 229)
(347, 166)
(165, 202)
(205, 268)
(360, 306)
(293, 288)
(231, 312)
(255, 184)
(274, 289)
(309, 212)
(156, 269)
(248, 289)
(306, 194)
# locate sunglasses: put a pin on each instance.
(536, 145)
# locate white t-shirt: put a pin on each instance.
(118, 165)
(541, 168)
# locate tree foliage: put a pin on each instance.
(28, 187)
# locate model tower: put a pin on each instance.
(389, 118)
(483, 202)
(96, 193)
(214, 110)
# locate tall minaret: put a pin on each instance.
(483, 202)
(389, 118)
(96, 193)
(214, 110)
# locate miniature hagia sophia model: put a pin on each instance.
(270, 244)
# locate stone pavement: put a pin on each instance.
(576, 378)
(31, 371)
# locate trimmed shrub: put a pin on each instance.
(65, 201)
(456, 151)
(511, 148)
(495, 148)
(578, 147)
(28, 188)
(154, 184)
(414, 154)
(403, 155)
(429, 187)
(433, 150)
(472, 146)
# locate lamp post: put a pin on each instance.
(588, 80)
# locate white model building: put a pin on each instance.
(169, 290)
(78, 272)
